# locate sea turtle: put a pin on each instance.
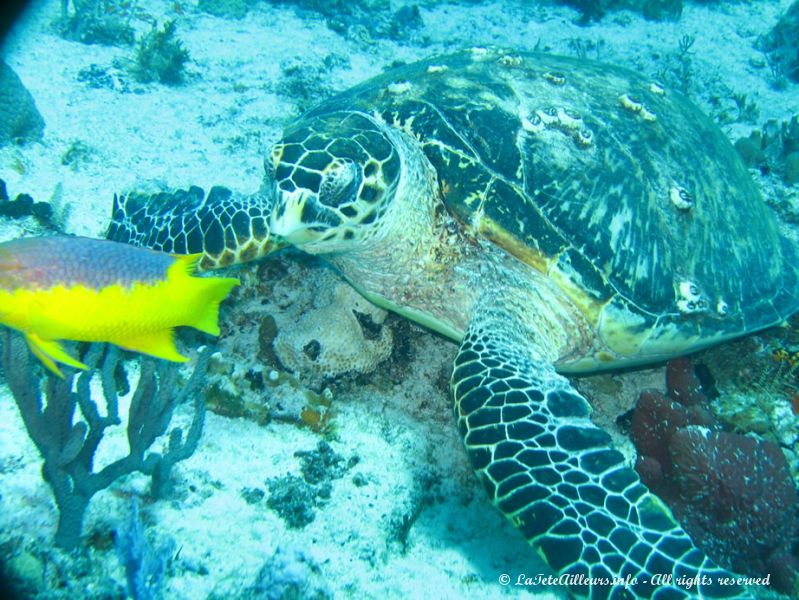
(549, 215)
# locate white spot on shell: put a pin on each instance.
(686, 307)
(631, 104)
(681, 198)
(647, 115)
(510, 61)
(690, 299)
(619, 224)
(548, 116)
(568, 119)
(534, 124)
(636, 106)
(400, 87)
(584, 137)
(555, 78)
(564, 120)
(437, 68)
(689, 290)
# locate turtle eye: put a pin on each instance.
(340, 183)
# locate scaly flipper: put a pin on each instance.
(225, 227)
(553, 473)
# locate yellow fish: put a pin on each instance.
(75, 288)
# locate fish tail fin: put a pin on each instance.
(213, 291)
(208, 292)
(50, 352)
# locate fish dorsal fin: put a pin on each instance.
(188, 262)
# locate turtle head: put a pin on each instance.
(334, 178)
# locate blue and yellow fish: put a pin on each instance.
(75, 288)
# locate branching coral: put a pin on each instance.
(68, 446)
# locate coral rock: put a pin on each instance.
(781, 43)
(346, 336)
(19, 117)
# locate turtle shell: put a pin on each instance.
(621, 191)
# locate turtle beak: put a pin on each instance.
(299, 219)
(287, 222)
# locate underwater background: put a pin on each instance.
(319, 454)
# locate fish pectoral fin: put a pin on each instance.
(160, 344)
(50, 352)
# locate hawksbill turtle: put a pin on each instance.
(549, 215)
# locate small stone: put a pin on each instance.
(217, 365)
(252, 495)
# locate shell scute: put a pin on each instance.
(576, 173)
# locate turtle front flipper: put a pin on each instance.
(554, 474)
(225, 227)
